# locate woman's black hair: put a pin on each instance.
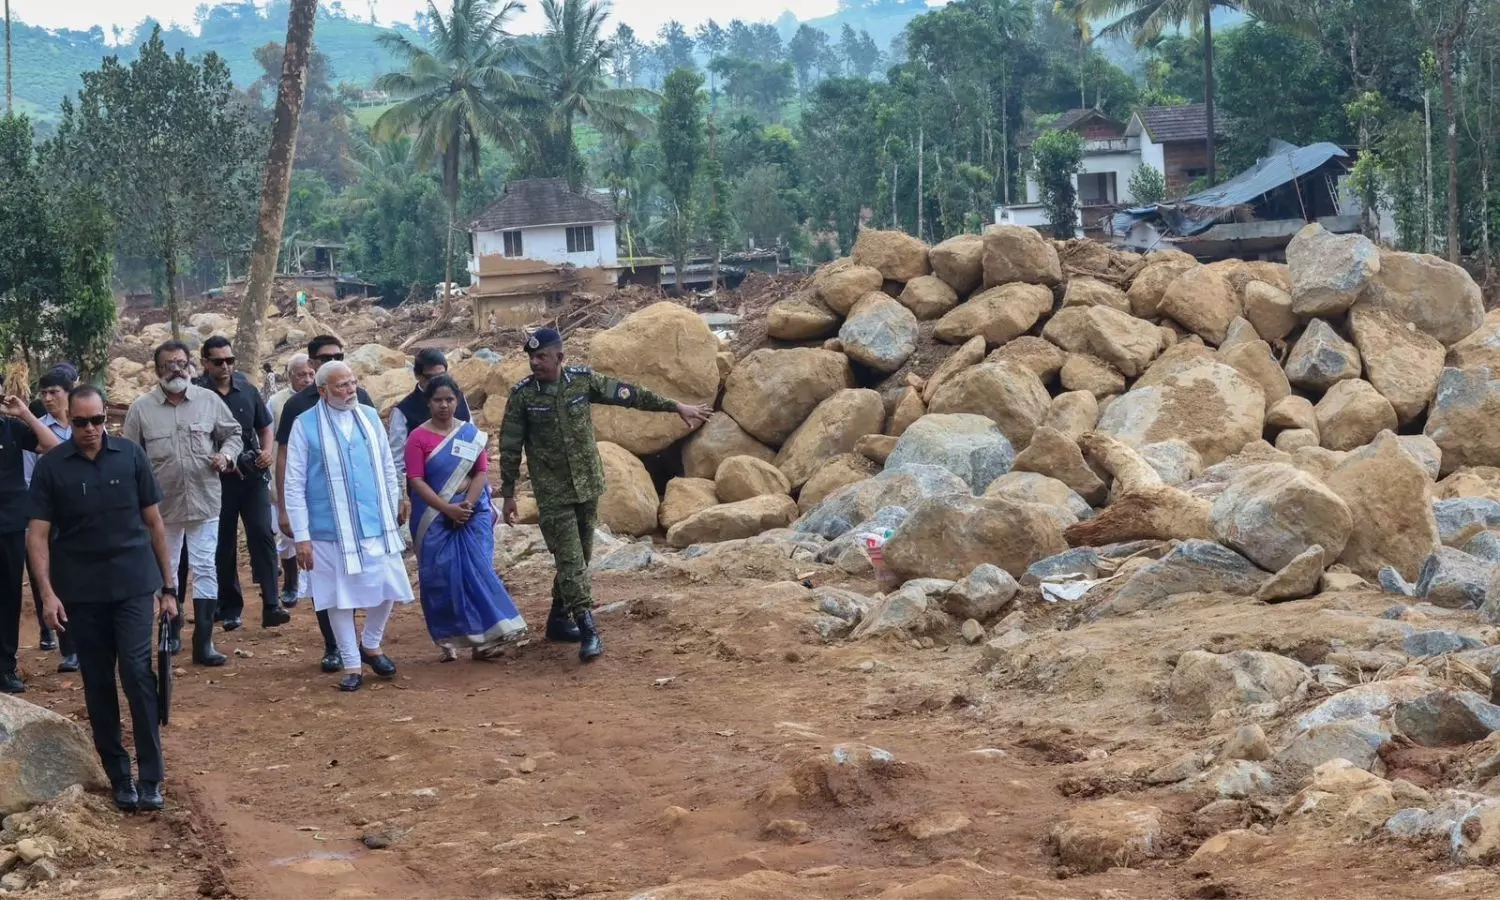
(441, 381)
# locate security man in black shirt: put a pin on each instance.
(245, 492)
(20, 432)
(98, 547)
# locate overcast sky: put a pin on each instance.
(645, 16)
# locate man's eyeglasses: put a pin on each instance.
(329, 357)
(174, 365)
(88, 421)
(221, 361)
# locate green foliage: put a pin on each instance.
(1057, 156)
(680, 126)
(55, 297)
(1148, 185)
(1258, 62)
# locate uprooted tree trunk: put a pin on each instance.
(276, 185)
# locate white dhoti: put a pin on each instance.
(383, 578)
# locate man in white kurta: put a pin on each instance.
(343, 500)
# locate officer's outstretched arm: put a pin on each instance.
(614, 392)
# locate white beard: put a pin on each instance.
(341, 405)
(173, 385)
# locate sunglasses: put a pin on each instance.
(329, 357)
(221, 361)
(86, 421)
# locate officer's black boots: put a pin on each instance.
(590, 647)
(204, 653)
(560, 628)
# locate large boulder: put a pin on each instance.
(1273, 513)
(1037, 354)
(970, 354)
(374, 359)
(683, 498)
(770, 392)
(1032, 487)
(42, 754)
(928, 297)
(959, 261)
(1192, 567)
(1321, 358)
(1125, 342)
(665, 348)
(1082, 372)
(999, 315)
(897, 255)
(900, 488)
(629, 505)
(879, 333)
(1055, 455)
(1293, 411)
(950, 535)
(1108, 834)
(1086, 291)
(720, 438)
(838, 472)
(1009, 395)
(1204, 683)
(1390, 499)
(1074, 413)
(971, 447)
(1441, 299)
(1210, 406)
(1401, 362)
(1269, 310)
(734, 521)
(1253, 359)
(1203, 302)
(1014, 253)
(742, 477)
(1351, 414)
(831, 429)
(801, 317)
(841, 284)
(1482, 348)
(909, 408)
(1150, 286)
(1465, 418)
(1329, 271)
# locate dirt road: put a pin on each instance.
(668, 770)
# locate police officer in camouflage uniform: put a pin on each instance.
(549, 416)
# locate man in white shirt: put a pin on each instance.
(343, 501)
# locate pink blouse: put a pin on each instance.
(420, 444)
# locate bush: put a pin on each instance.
(1057, 157)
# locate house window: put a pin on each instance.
(512, 243)
(1097, 189)
(581, 239)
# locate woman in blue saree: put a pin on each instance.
(452, 523)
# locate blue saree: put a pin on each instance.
(463, 600)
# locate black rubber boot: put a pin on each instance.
(590, 647)
(204, 653)
(560, 628)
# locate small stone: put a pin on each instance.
(9, 859)
(375, 841)
(527, 766)
(425, 792)
(936, 825)
(30, 850)
(983, 594)
(786, 829)
(1333, 582)
(1447, 718)
(1436, 643)
(972, 631)
(44, 870)
(242, 653)
(15, 881)
(1297, 579)
(1248, 742)
(1105, 834)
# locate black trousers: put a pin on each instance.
(112, 635)
(12, 567)
(65, 639)
(248, 501)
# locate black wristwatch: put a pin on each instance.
(169, 590)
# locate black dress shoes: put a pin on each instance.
(68, 663)
(590, 647)
(11, 683)
(383, 665)
(352, 683)
(48, 641)
(126, 799)
(332, 662)
(232, 623)
(151, 799)
(272, 616)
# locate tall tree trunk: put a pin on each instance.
(1208, 89)
(9, 96)
(921, 146)
(1427, 193)
(169, 268)
(1005, 130)
(1445, 63)
(276, 184)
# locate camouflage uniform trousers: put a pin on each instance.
(568, 529)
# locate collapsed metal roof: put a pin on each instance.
(1199, 212)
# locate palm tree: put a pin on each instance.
(1145, 20)
(454, 93)
(569, 68)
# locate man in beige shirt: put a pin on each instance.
(190, 437)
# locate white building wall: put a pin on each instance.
(550, 244)
(1153, 154)
(1122, 164)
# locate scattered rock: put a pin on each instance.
(1482, 348)
(1148, 288)
(1013, 253)
(1248, 742)
(1083, 290)
(1057, 456)
(1269, 310)
(1074, 414)
(683, 498)
(970, 446)
(720, 438)
(1329, 271)
(972, 631)
(897, 488)
(42, 754)
(1296, 439)
(732, 521)
(928, 297)
(838, 472)
(1037, 354)
(959, 261)
(849, 774)
(983, 594)
(1082, 372)
(875, 447)
(1032, 487)
(1355, 741)
(1125, 342)
(999, 315)
(1204, 683)
(1436, 643)
(910, 612)
(897, 255)
(1452, 579)
(629, 505)
(1475, 837)
(1390, 500)
(1241, 332)
(801, 318)
(1439, 298)
(841, 284)
(1007, 394)
(1459, 520)
(771, 392)
(1253, 360)
(1106, 834)
(1320, 359)
(1175, 461)
(879, 333)
(1447, 718)
(1275, 513)
(1234, 779)
(743, 477)
(1351, 414)
(1416, 824)
(1402, 363)
(830, 430)
(1463, 418)
(1194, 566)
(1425, 451)
(1203, 302)
(1291, 413)
(1297, 579)
(970, 354)
(949, 536)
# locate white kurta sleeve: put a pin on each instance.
(294, 491)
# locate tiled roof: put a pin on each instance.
(1168, 124)
(541, 201)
